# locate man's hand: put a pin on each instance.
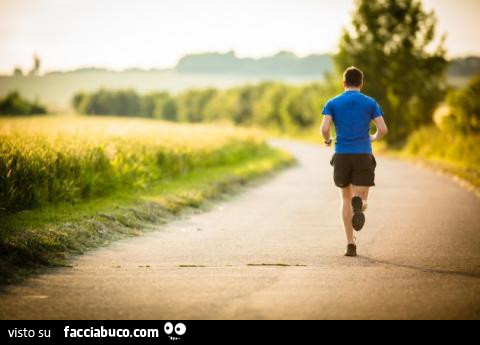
(328, 142)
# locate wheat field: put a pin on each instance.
(45, 160)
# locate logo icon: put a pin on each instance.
(179, 330)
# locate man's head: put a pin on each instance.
(353, 78)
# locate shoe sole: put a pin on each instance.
(358, 219)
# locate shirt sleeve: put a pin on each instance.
(327, 109)
(377, 111)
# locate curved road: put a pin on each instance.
(275, 251)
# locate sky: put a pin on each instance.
(120, 34)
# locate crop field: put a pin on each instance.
(70, 183)
(68, 159)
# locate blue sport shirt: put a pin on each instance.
(352, 112)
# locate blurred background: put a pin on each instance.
(264, 63)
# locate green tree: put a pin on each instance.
(168, 108)
(271, 110)
(165, 107)
(464, 108)
(35, 71)
(192, 103)
(392, 41)
(17, 72)
(105, 102)
(77, 100)
(14, 104)
(243, 113)
(147, 106)
(221, 106)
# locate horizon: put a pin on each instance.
(167, 68)
(89, 34)
(172, 68)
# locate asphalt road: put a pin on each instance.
(275, 251)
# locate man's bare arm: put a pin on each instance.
(326, 125)
(382, 129)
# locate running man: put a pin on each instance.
(353, 162)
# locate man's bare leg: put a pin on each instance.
(347, 194)
(359, 205)
(362, 192)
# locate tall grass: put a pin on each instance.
(69, 159)
(433, 143)
(452, 151)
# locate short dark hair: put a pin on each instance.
(353, 77)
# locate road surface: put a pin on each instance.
(275, 251)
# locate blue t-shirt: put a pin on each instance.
(352, 112)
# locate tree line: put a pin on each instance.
(270, 104)
(14, 104)
(282, 107)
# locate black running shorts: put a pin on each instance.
(356, 169)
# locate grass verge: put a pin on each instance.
(32, 240)
(453, 154)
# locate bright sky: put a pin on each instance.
(156, 33)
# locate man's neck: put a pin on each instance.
(352, 89)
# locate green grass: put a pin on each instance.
(34, 239)
(69, 159)
(455, 154)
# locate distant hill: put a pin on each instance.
(464, 67)
(461, 70)
(282, 64)
(288, 64)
